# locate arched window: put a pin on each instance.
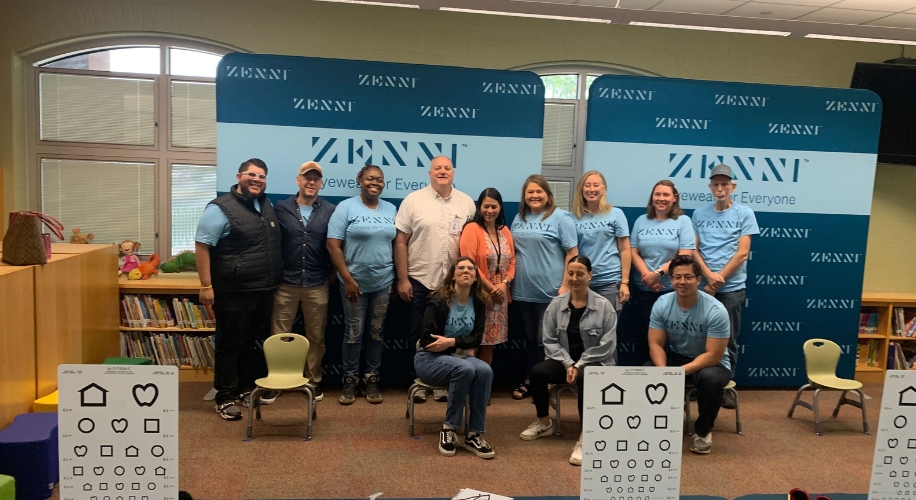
(122, 138)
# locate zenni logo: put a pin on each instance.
(362, 150)
(852, 106)
(750, 168)
(401, 82)
(256, 73)
(682, 123)
(793, 129)
(624, 94)
(771, 371)
(510, 88)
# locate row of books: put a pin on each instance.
(170, 348)
(899, 358)
(902, 326)
(868, 322)
(867, 354)
(146, 311)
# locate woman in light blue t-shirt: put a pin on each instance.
(657, 237)
(545, 238)
(360, 237)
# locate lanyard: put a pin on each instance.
(496, 247)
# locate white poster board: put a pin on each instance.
(118, 432)
(893, 474)
(632, 433)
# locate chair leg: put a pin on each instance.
(687, 409)
(840, 402)
(410, 408)
(817, 418)
(737, 411)
(250, 418)
(797, 400)
(559, 412)
(864, 414)
(311, 406)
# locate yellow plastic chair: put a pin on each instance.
(555, 391)
(285, 355)
(821, 358)
(416, 387)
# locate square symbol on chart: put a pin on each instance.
(911, 444)
(596, 464)
(888, 460)
(151, 425)
(132, 497)
(103, 486)
(618, 478)
(661, 421)
(106, 450)
(621, 445)
(645, 478)
(906, 473)
(135, 486)
(641, 489)
(78, 470)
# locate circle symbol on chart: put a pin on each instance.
(86, 425)
(631, 464)
(151, 486)
(605, 422)
(119, 470)
(900, 422)
(157, 451)
(658, 477)
(665, 445)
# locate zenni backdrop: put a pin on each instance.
(803, 160)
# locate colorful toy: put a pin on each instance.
(79, 238)
(145, 269)
(184, 261)
(128, 261)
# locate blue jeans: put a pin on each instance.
(366, 315)
(733, 302)
(533, 323)
(466, 378)
(609, 292)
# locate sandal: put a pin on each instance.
(520, 392)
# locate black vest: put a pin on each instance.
(248, 259)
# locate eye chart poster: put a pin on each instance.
(118, 432)
(893, 475)
(633, 430)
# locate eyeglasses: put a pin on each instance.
(682, 277)
(252, 175)
(465, 268)
(311, 179)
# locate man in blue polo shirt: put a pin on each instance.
(689, 328)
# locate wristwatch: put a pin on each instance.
(660, 272)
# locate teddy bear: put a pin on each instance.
(79, 238)
(128, 261)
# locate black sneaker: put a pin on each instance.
(348, 393)
(373, 393)
(245, 399)
(447, 439)
(316, 390)
(476, 444)
(228, 411)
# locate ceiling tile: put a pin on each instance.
(810, 3)
(843, 16)
(896, 21)
(886, 5)
(775, 11)
(624, 4)
(697, 6)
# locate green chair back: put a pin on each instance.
(285, 354)
(821, 358)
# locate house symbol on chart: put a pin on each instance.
(93, 395)
(131, 451)
(612, 395)
(666, 464)
(908, 397)
(642, 446)
(160, 471)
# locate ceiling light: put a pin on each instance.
(367, 2)
(524, 14)
(857, 39)
(711, 28)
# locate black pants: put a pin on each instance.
(417, 309)
(241, 318)
(710, 383)
(644, 300)
(551, 371)
(533, 324)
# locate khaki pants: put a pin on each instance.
(314, 303)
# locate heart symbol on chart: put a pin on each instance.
(651, 489)
(80, 450)
(98, 470)
(145, 395)
(614, 464)
(609, 489)
(656, 393)
(631, 478)
(892, 442)
(634, 421)
(904, 460)
(119, 486)
(140, 470)
(600, 445)
(119, 425)
(650, 463)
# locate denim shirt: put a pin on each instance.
(598, 328)
(306, 261)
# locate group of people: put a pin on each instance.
(458, 264)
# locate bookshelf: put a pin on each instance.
(168, 286)
(882, 305)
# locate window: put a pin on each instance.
(124, 140)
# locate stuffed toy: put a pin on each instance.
(145, 269)
(184, 261)
(80, 239)
(128, 261)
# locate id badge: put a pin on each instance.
(455, 228)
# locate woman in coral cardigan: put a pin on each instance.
(487, 240)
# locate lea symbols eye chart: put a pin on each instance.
(893, 474)
(632, 433)
(118, 432)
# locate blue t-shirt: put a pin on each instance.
(460, 319)
(540, 254)
(597, 236)
(305, 211)
(214, 225)
(367, 235)
(659, 241)
(719, 233)
(688, 330)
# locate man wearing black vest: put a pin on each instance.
(239, 264)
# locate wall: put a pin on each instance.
(301, 27)
(889, 264)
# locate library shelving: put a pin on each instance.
(872, 361)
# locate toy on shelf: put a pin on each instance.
(79, 238)
(145, 269)
(184, 261)
(127, 261)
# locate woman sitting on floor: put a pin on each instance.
(453, 325)
(580, 330)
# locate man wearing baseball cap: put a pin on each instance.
(724, 231)
(307, 268)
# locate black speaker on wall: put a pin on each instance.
(895, 82)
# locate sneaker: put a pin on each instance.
(420, 396)
(798, 494)
(373, 393)
(228, 411)
(316, 390)
(245, 399)
(476, 444)
(447, 440)
(702, 444)
(211, 394)
(348, 393)
(269, 397)
(440, 395)
(728, 401)
(536, 430)
(576, 457)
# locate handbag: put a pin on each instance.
(24, 244)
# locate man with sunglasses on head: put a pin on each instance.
(690, 329)
(237, 247)
(304, 219)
